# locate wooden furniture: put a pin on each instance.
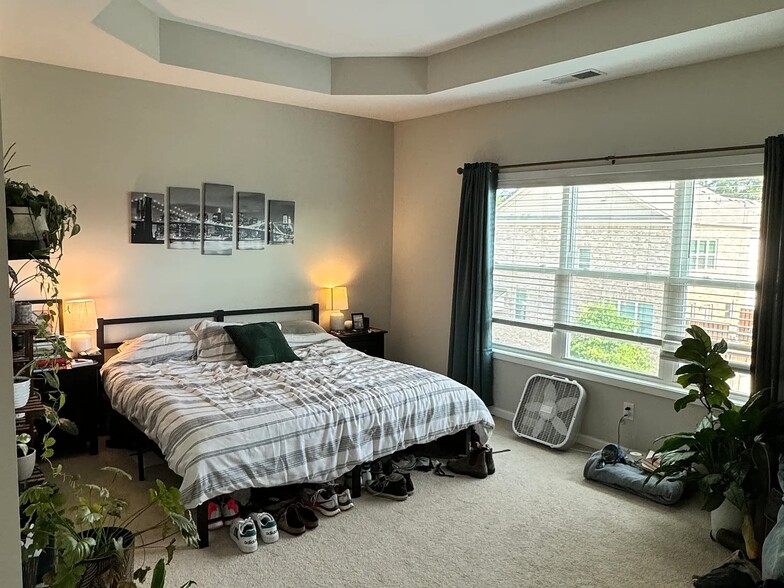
(80, 385)
(370, 341)
(22, 344)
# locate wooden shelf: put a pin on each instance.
(21, 327)
(34, 404)
(37, 479)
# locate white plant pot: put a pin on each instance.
(21, 391)
(727, 516)
(25, 465)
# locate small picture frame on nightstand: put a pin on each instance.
(358, 321)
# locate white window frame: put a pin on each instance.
(653, 170)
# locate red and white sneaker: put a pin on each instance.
(214, 516)
(323, 500)
(230, 510)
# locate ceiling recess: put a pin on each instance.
(576, 77)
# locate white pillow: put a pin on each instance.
(214, 344)
(157, 347)
(299, 327)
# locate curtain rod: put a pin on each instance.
(613, 158)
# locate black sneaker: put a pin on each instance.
(392, 486)
(309, 517)
(291, 521)
(409, 484)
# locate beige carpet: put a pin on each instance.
(536, 522)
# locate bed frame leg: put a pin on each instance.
(140, 463)
(356, 481)
(201, 525)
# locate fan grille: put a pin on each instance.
(535, 392)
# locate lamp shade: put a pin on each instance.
(339, 298)
(79, 316)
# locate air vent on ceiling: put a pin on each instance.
(576, 77)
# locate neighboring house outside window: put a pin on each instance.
(612, 274)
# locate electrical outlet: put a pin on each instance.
(628, 411)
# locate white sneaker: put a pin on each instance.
(344, 498)
(214, 516)
(322, 500)
(243, 533)
(266, 527)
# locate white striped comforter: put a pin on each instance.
(224, 427)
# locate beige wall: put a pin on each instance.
(10, 554)
(91, 139)
(727, 102)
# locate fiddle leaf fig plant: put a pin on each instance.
(707, 371)
(719, 455)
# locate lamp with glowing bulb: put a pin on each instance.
(336, 300)
(79, 319)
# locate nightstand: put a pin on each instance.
(370, 341)
(82, 404)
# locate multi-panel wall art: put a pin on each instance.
(147, 217)
(184, 218)
(251, 220)
(215, 219)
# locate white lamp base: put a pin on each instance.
(81, 342)
(336, 321)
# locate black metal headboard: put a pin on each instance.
(216, 315)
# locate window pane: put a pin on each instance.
(528, 227)
(628, 227)
(534, 291)
(634, 357)
(612, 305)
(522, 338)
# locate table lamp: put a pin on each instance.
(79, 319)
(337, 301)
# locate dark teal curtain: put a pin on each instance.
(767, 367)
(470, 345)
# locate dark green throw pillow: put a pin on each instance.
(261, 343)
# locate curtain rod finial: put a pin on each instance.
(459, 171)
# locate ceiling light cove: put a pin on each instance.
(386, 60)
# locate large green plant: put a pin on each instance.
(88, 528)
(720, 453)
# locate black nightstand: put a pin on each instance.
(82, 406)
(370, 341)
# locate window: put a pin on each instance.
(702, 254)
(584, 258)
(613, 273)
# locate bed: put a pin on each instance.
(223, 426)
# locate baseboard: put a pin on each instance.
(500, 412)
(587, 440)
(592, 442)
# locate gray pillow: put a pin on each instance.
(300, 327)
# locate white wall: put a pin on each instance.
(91, 139)
(727, 102)
(10, 554)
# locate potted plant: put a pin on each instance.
(93, 537)
(719, 453)
(25, 457)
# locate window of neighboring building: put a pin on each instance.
(613, 273)
(584, 258)
(702, 254)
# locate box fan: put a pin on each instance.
(550, 411)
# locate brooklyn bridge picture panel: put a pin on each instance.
(251, 220)
(217, 234)
(281, 222)
(147, 217)
(184, 218)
